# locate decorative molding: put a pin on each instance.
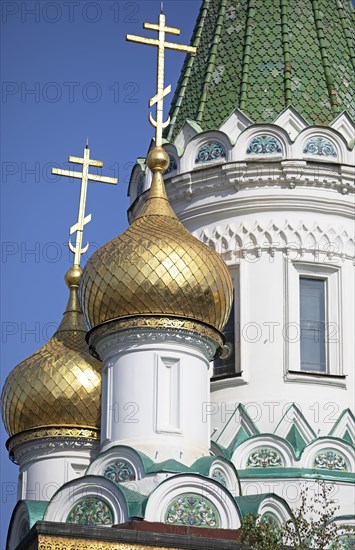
(185, 484)
(339, 450)
(186, 134)
(240, 241)
(119, 471)
(67, 432)
(32, 449)
(294, 419)
(276, 452)
(167, 395)
(145, 329)
(224, 472)
(264, 144)
(90, 511)
(193, 510)
(291, 121)
(274, 505)
(237, 429)
(263, 172)
(48, 542)
(219, 475)
(63, 501)
(320, 147)
(235, 124)
(344, 427)
(264, 457)
(122, 454)
(345, 126)
(213, 150)
(329, 459)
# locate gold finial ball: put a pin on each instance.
(73, 276)
(158, 160)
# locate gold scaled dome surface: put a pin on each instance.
(156, 267)
(59, 385)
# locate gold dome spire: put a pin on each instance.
(157, 269)
(156, 274)
(57, 390)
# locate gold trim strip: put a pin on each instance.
(46, 542)
(156, 322)
(54, 431)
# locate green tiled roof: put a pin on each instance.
(262, 55)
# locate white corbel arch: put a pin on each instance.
(239, 151)
(114, 454)
(88, 486)
(213, 492)
(188, 159)
(325, 132)
(327, 444)
(283, 448)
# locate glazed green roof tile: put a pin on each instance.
(294, 437)
(347, 437)
(135, 501)
(251, 504)
(262, 56)
(36, 510)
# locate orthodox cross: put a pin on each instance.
(78, 228)
(161, 44)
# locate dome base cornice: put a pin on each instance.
(86, 433)
(153, 323)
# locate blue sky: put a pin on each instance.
(67, 73)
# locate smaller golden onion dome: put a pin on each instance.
(156, 268)
(59, 385)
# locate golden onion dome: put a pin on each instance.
(59, 386)
(156, 268)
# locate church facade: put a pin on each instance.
(217, 377)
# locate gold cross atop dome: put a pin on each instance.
(161, 44)
(78, 228)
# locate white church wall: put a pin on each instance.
(155, 388)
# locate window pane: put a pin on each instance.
(312, 317)
(226, 363)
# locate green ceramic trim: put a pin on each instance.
(323, 49)
(289, 473)
(351, 414)
(251, 504)
(186, 70)
(36, 510)
(247, 54)
(212, 59)
(286, 50)
(347, 31)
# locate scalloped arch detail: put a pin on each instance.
(316, 239)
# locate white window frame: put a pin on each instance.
(333, 308)
(239, 377)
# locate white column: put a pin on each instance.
(46, 464)
(155, 392)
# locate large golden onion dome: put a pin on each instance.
(58, 387)
(156, 268)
